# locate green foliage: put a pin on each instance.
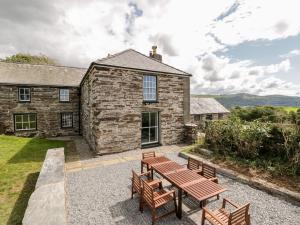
(31, 59)
(274, 146)
(267, 114)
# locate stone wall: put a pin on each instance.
(215, 116)
(113, 122)
(45, 103)
(46, 205)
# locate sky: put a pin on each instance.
(230, 46)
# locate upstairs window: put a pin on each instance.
(24, 94)
(149, 88)
(25, 121)
(67, 120)
(64, 95)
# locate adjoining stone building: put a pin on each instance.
(39, 100)
(131, 100)
(203, 109)
(122, 102)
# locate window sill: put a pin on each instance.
(150, 102)
(151, 145)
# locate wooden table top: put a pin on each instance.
(167, 167)
(155, 160)
(204, 189)
(184, 178)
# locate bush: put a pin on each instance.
(272, 145)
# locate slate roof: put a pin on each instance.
(206, 106)
(132, 59)
(28, 74)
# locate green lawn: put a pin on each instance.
(20, 162)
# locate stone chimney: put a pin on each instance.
(154, 55)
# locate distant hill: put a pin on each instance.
(243, 99)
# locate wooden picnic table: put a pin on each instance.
(151, 161)
(186, 180)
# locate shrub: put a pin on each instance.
(270, 145)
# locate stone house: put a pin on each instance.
(122, 102)
(39, 100)
(203, 109)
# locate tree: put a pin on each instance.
(31, 59)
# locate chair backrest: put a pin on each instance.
(147, 193)
(208, 171)
(136, 182)
(193, 164)
(240, 216)
(148, 155)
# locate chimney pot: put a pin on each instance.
(153, 54)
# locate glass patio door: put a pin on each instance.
(149, 127)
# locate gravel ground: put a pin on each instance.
(102, 196)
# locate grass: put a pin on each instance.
(20, 162)
(290, 108)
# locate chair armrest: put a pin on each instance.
(164, 195)
(145, 174)
(155, 182)
(206, 210)
(225, 200)
(214, 179)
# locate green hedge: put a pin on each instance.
(276, 146)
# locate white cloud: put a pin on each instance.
(188, 35)
(290, 54)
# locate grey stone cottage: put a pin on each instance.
(203, 109)
(122, 102)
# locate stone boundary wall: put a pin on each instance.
(46, 205)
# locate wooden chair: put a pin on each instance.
(210, 173)
(146, 155)
(194, 164)
(136, 187)
(240, 216)
(155, 199)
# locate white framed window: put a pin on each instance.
(25, 121)
(24, 94)
(150, 128)
(64, 95)
(150, 88)
(66, 120)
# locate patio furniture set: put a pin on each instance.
(196, 179)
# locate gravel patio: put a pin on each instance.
(99, 193)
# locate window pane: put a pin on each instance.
(153, 132)
(153, 119)
(149, 85)
(32, 125)
(145, 135)
(32, 117)
(145, 120)
(18, 118)
(18, 126)
(27, 92)
(64, 95)
(26, 126)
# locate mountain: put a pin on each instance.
(244, 99)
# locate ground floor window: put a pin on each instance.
(209, 117)
(149, 127)
(66, 120)
(25, 121)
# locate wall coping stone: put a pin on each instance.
(271, 188)
(46, 205)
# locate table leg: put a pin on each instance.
(179, 210)
(151, 173)
(142, 167)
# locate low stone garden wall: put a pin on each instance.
(46, 205)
